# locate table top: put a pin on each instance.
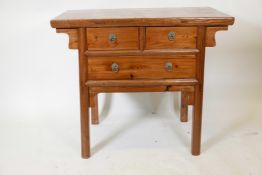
(142, 17)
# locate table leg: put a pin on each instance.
(84, 95)
(94, 108)
(184, 107)
(198, 93)
(197, 120)
(84, 123)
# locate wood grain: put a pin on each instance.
(186, 16)
(190, 98)
(125, 83)
(157, 37)
(154, 52)
(183, 107)
(210, 35)
(84, 96)
(142, 35)
(187, 98)
(73, 37)
(198, 99)
(110, 89)
(181, 88)
(127, 38)
(151, 67)
(94, 107)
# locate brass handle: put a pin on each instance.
(171, 36)
(115, 67)
(112, 37)
(169, 66)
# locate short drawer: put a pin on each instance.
(171, 37)
(138, 67)
(122, 38)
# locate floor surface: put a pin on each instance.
(144, 143)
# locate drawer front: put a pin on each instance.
(171, 37)
(138, 67)
(123, 38)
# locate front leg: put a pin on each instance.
(84, 116)
(84, 95)
(197, 120)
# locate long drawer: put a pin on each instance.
(141, 67)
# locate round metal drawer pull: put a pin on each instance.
(169, 66)
(115, 67)
(171, 36)
(112, 37)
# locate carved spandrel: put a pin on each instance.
(210, 35)
(72, 34)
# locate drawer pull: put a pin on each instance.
(112, 37)
(169, 66)
(115, 67)
(171, 36)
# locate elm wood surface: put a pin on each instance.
(143, 42)
(153, 52)
(121, 83)
(93, 100)
(198, 99)
(157, 37)
(84, 94)
(210, 32)
(185, 16)
(187, 98)
(73, 37)
(184, 107)
(145, 67)
(111, 89)
(126, 38)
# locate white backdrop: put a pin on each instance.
(39, 74)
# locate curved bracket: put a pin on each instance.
(73, 39)
(210, 35)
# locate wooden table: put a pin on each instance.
(142, 50)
